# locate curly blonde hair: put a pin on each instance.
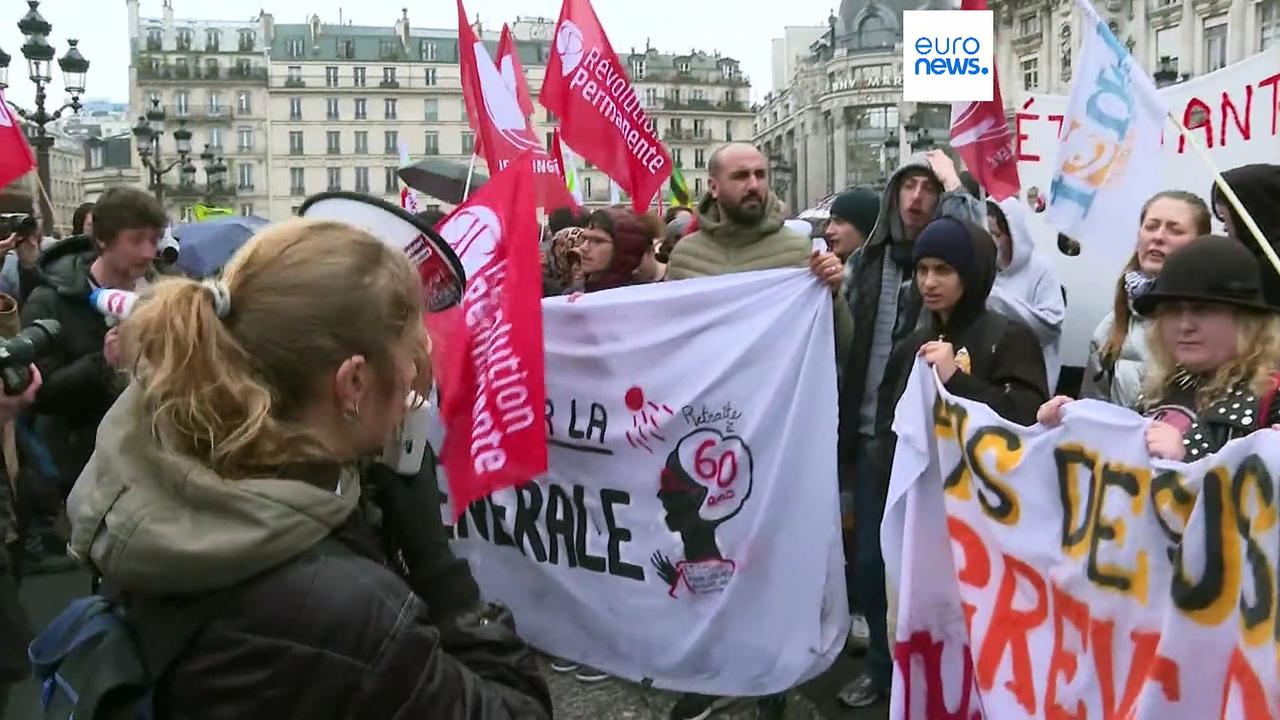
(1257, 357)
(305, 296)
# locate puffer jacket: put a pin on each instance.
(1118, 383)
(300, 632)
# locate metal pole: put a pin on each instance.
(43, 143)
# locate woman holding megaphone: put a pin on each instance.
(231, 468)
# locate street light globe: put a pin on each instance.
(39, 55)
(183, 137)
(4, 69)
(74, 68)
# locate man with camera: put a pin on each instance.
(15, 631)
(81, 371)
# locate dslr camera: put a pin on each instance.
(21, 224)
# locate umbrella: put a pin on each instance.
(444, 180)
(204, 247)
(821, 211)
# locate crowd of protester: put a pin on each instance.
(237, 412)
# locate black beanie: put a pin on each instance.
(947, 240)
(859, 207)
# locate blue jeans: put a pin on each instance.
(866, 582)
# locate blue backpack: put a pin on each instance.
(100, 660)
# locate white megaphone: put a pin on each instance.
(408, 445)
(167, 249)
(114, 304)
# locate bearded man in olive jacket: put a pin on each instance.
(740, 229)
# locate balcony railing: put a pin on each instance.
(686, 134)
(389, 84)
(295, 82)
(183, 73)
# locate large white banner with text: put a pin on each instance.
(1234, 113)
(1060, 573)
(688, 530)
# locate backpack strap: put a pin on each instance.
(1268, 399)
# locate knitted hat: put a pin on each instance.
(948, 240)
(860, 207)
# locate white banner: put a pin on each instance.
(1236, 115)
(688, 531)
(1060, 573)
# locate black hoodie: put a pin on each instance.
(78, 385)
(1006, 366)
(1258, 187)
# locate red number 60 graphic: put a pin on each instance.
(724, 470)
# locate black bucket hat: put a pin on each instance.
(1212, 269)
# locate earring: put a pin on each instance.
(352, 415)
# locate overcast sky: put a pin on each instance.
(671, 26)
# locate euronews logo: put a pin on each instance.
(948, 55)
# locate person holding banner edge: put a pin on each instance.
(1215, 352)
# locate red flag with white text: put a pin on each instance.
(16, 158)
(503, 128)
(487, 351)
(600, 115)
(980, 135)
(508, 54)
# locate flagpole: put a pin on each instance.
(1229, 194)
(466, 190)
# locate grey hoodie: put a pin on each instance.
(155, 521)
(1027, 291)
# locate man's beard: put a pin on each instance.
(743, 215)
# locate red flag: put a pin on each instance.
(496, 115)
(508, 53)
(16, 158)
(980, 134)
(600, 115)
(487, 351)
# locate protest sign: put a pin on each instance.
(1234, 112)
(687, 532)
(1061, 573)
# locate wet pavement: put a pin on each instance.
(574, 700)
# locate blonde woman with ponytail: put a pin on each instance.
(231, 468)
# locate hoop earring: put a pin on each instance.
(352, 415)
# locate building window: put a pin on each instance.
(427, 50)
(155, 39)
(391, 183)
(388, 49)
(650, 97)
(468, 143)
(391, 142)
(1169, 45)
(1268, 24)
(247, 40)
(215, 103)
(245, 139)
(362, 179)
(246, 209)
(586, 188)
(244, 173)
(333, 142)
(699, 158)
(295, 142)
(1029, 25)
(184, 39)
(727, 71)
(212, 39)
(335, 179)
(637, 69)
(389, 108)
(677, 157)
(331, 108)
(431, 111)
(699, 128)
(697, 189)
(684, 66)
(432, 144)
(295, 108)
(1064, 52)
(331, 76)
(294, 47)
(430, 78)
(95, 157)
(215, 139)
(244, 102)
(297, 181)
(728, 130)
(347, 49)
(388, 76)
(1030, 74)
(1215, 47)
(362, 109)
(358, 77)
(182, 102)
(362, 142)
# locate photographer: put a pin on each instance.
(15, 631)
(19, 245)
(81, 374)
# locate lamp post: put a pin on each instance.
(781, 173)
(148, 131)
(39, 55)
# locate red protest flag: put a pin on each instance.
(502, 127)
(600, 115)
(487, 351)
(980, 135)
(16, 158)
(508, 53)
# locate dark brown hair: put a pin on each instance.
(126, 208)
(77, 219)
(630, 242)
(1110, 350)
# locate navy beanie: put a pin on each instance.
(859, 207)
(948, 240)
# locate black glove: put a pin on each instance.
(415, 535)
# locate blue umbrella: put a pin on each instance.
(204, 247)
